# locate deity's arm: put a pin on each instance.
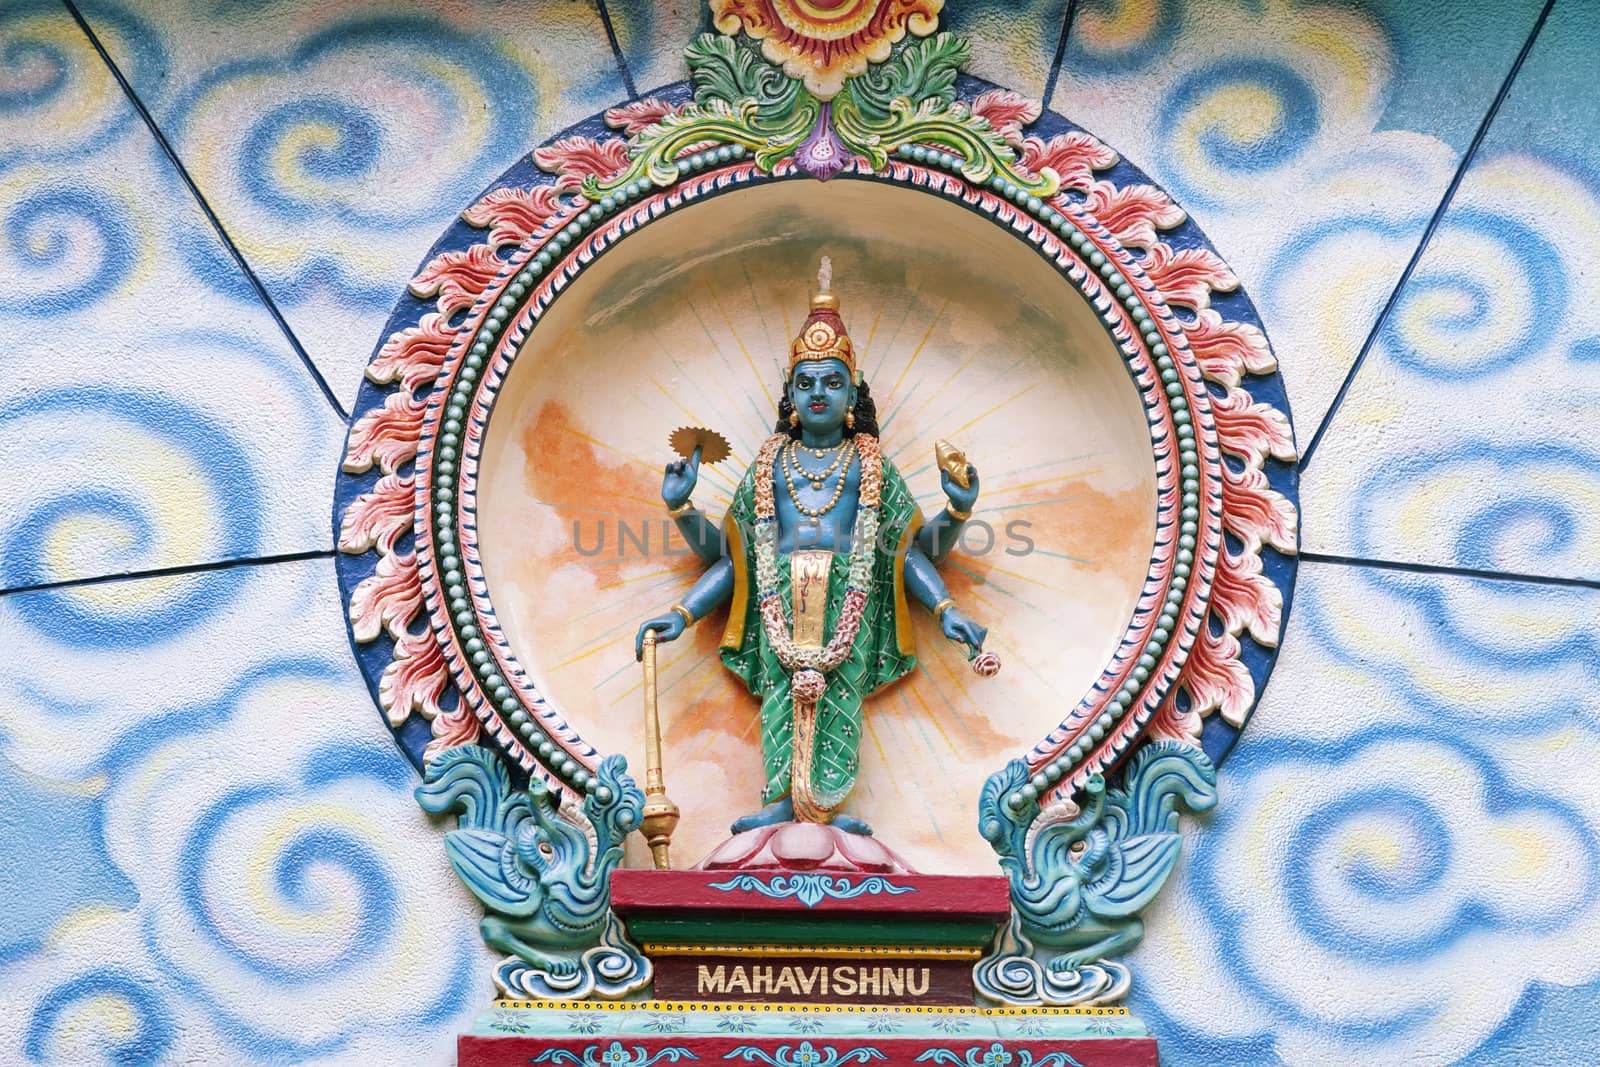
(922, 579)
(711, 590)
(701, 534)
(926, 587)
(939, 535)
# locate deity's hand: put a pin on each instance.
(961, 500)
(957, 627)
(677, 485)
(668, 627)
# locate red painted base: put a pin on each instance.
(662, 894)
(815, 1051)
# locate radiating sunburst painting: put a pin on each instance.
(963, 333)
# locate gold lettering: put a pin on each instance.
(894, 982)
(808, 979)
(713, 981)
(868, 984)
(826, 971)
(912, 983)
(786, 982)
(844, 981)
(737, 981)
(760, 980)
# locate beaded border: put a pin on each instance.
(843, 952)
(717, 1007)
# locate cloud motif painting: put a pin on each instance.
(217, 844)
(60, 102)
(1420, 904)
(325, 137)
(319, 158)
(239, 874)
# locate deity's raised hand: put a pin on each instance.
(677, 484)
(962, 498)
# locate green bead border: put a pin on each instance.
(1048, 775)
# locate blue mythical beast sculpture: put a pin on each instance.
(541, 867)
(1080, 878)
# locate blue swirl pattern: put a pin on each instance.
(1457, 319)
(280, 868)
(64, 246)
(68, 708)
(1523, 508)
(1508, 660)
(1477, 465)
(1236, 129)
(58, 1015)
(330, 150)
(112, 526)
(1116, 36)
(1200, 111)
(58, 102)
(1391, 888)
(153, 472)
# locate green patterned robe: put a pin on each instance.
(883, 651)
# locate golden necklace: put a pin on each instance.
(820, 453)
(791, 459)
(790, 466)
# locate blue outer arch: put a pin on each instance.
(1217, 737)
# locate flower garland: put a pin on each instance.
(807, 666)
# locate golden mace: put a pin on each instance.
(660, 813)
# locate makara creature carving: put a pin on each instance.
(541, 867)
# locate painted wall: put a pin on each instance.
(208, 851)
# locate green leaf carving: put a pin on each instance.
(728, 72)
(921, 70)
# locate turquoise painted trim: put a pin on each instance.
(996, 1055)
(811, 889)
(805, 1054)
(613, 1055)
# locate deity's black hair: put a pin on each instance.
(866, 413)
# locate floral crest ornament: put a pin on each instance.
(823, 43)
(865, 91)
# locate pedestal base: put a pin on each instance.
(781, 936)
(640, 1033)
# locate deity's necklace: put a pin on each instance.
(821, 453)
(807, 665)
(838, 490)
(791, 459)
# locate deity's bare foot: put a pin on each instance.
(852, 825)
(776, 812)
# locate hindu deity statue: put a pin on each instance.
(818, 559)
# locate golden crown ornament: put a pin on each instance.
(822, 335)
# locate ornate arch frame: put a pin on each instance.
(1203, 636)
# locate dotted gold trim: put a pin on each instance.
(817, 1009)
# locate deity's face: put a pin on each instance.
(822, 392)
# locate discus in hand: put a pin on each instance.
(713, 446)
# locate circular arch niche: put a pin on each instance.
(963, 331)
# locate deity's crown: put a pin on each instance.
(822, 335)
